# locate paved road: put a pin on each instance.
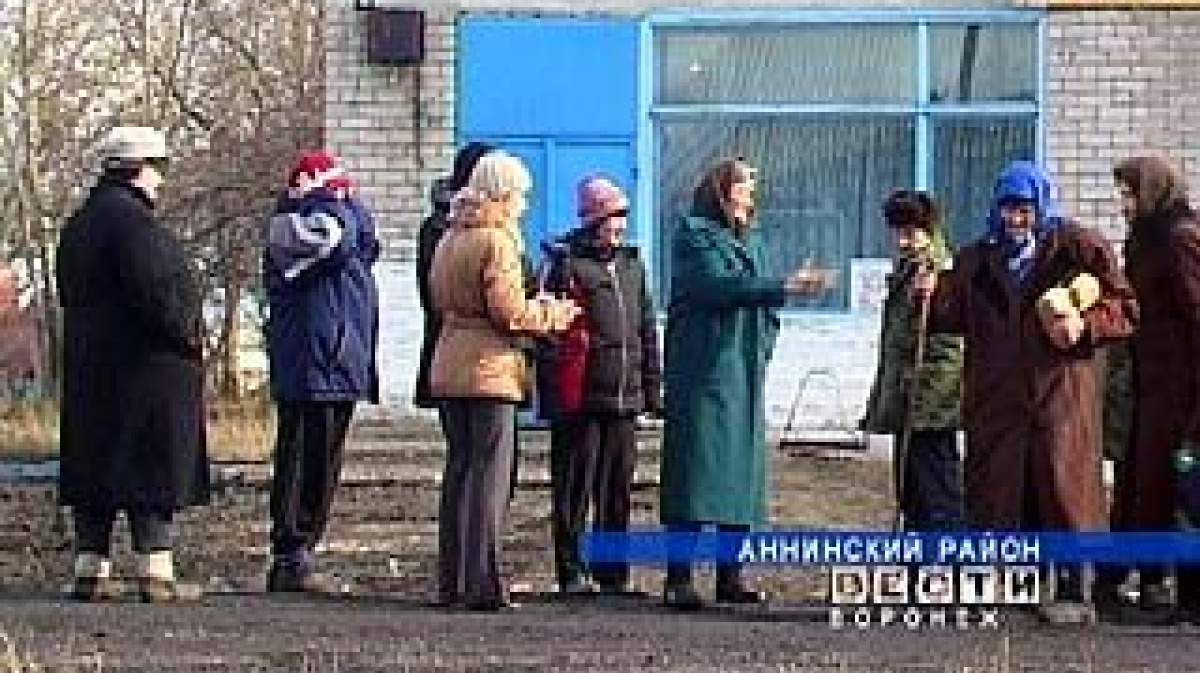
(257, 634)
(382, 538)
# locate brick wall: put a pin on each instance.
(395, 146)
(394, 143)
(1118, 82)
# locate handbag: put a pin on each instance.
(563, 362)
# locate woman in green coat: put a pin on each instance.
(721, 329)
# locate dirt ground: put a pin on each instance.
(382, 540)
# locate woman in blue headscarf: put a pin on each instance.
(1030, 407)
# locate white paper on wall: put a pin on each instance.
(868, 283)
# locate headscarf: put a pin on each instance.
(1161, 194)
(909, 208)
(1023, 181)
(711, 197)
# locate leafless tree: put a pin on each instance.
(237, 85)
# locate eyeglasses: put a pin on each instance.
(624, 212)
(159, 164)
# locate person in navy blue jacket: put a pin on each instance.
(321, 340)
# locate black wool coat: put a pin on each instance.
(132, 425)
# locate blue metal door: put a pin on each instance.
(557, 166)
(559, 93)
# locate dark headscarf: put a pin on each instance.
(444, 189)
(464, 163)
(1161, 195)
(906, 208)
(711, 197)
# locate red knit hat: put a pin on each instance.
(321, 167)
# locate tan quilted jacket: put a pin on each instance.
(478, 290)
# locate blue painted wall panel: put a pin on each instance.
(554, 77)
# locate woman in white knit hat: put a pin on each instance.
(132, 429)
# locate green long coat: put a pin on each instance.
(721, 330)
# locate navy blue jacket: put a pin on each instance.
(323, 324)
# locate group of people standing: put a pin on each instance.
(1001, 340)
(1011, 331)
(597, 360)
(1018, 321)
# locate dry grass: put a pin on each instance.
(28, 430)
(237, 431)
(13, 661)
(241, 431)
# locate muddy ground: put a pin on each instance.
(382, 540)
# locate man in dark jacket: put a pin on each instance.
(132, 427)
(321, 340)
(596, 379)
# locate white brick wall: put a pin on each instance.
(394, 144)
(1119, 83)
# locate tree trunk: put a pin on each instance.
(50, 328)
(230, 373)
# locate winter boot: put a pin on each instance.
(731, 588)
(93, 579)
(296, 574)
(680, 593)
(157, 582)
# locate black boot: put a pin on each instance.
(1112, 602)
(1069, 606)
(679, 592)
(1187, 577)
(731, 588)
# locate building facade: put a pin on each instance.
(836, 106)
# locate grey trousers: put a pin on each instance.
(475, 491)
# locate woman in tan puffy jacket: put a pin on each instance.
(479, 373)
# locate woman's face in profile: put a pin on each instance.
(741, 192)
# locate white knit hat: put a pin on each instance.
(131, 143)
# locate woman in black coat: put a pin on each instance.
(132, 426)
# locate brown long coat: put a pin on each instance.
(1163, 264)
(1030, 410)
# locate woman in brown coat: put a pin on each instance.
(1162, 259)
(1030, 406)
(479, 372)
